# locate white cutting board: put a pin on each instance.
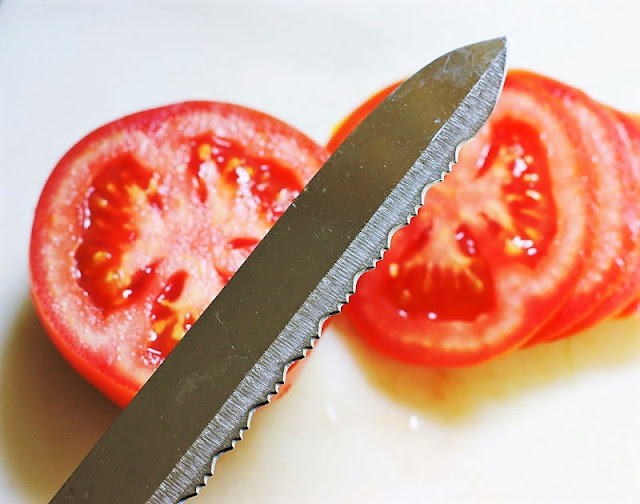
(553, 424)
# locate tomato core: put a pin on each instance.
(270, 185)
(449, 253)
(517, 147)
(116, 194)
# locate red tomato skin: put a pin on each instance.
(288, 146)
(459, 342)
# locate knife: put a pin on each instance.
(163, 446)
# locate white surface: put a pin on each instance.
(553, 424)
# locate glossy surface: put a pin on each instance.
(528, 428)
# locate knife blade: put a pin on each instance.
(163, 446)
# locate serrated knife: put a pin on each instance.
(162, 447)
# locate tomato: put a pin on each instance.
(494, 251)
(605, 169)
(143, 222)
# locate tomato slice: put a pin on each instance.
(495, 249)
(142, 223)
(606, 156)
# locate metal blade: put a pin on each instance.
(196, 406)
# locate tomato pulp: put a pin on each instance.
(143, 222)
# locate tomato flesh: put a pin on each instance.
(492, 253)
(143, 222)
(271, 186)
(522, 224)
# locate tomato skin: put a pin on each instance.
(185, 229)
(522, 284)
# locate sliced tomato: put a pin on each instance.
(632, 126)
(495, 249)
(607, 153)
(621, 299)
(144, 220)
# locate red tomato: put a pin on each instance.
(495, 249)
(605, 168)
(144, 220)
